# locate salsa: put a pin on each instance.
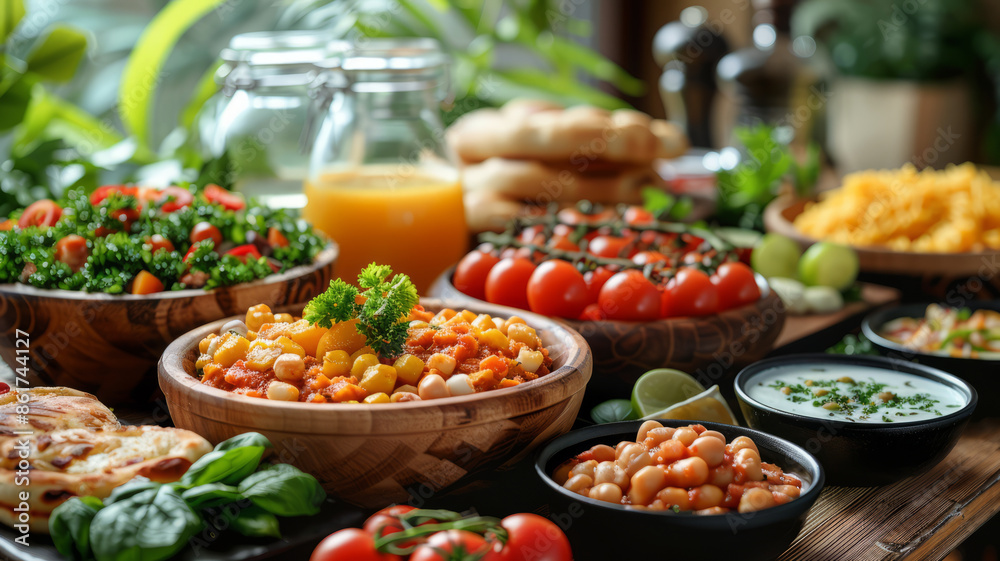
(957, 332)
(125, 239)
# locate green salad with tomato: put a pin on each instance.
(142, 240)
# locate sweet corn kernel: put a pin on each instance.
(360, 364)
(380, 378)
(202, 361)
(523, 334)
(257, 316)
(483, 322)
(203, 344)
(467, 315)
(251, 335)
(283, 318)
(231, 350)
(405, 388)
(530, 360)
(493, 338)
(440, 361)
(366, 350)
(336, 363)
(342, 336)
(262, 355)
(306, 334)
(409, 369)
(377, 398)
(280, 391)
(443, 316)
(512, 320)
(289, 346)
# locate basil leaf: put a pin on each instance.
(133, 487)
(70, 527)
(152, 525)
(223, 466)
(254, 521)
(612, 411)
(284, 490)
(245, 439)
(210, 494)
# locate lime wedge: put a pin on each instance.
(658, 389)
(706, 406)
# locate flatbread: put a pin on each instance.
(80, 462)
(527, 129)
(54, 408)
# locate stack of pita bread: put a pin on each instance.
(532, 152)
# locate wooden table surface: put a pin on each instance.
(918, 518)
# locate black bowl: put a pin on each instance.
(983, 374)
(860, 454)
(599, 530)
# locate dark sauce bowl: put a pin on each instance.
(602, 531)
(854, 453)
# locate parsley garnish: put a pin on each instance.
(382, 315)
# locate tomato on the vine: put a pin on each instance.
(453, 544)
(737, 285)
(471, 272)
(636, 216)
(556, 288)
(533, 538)
(608, 246)
(630, 296)
(691, 293)
(646, 257)
(595, 281)
(591, 313)
(507, 282)
(562, 243)
(351, 544)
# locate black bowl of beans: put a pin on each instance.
(691, 491)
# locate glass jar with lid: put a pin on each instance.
(382, 181)
(260, 117)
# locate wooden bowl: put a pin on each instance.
(781, 213)
(374, 455)
(108, 345)
(706, 347)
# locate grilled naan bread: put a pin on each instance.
(52, 409)
(80, 462)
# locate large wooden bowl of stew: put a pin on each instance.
(711, 348)
(108, 345)
(374, 455)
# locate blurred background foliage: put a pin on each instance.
(106, 91)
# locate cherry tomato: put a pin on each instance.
(470, 274)
(636, 215)
(4, 388)
(157, 242)
(563, 230)
(146, 283)
(533, 234)
(173, 198)
(40, 213)
(646, 257)
(562, 243)
(691, 294)
(595, 281)
(352, 544)
(556, 288)
(591, 313)
(104, 192)
(737, 285)
(630, 296)
(218, 195)
(452, 544)
(533, 538)
(386, 520)
(507, 282)
(205, 231)
(275, 238)
(72, 250)
(608, 246)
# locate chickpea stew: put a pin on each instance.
(687, 468)
(448, 353)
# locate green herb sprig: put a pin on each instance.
(381, 311)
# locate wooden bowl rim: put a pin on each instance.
(775, 221)
(323, 259)
(171, 366)
(766, 295)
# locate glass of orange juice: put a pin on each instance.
(382, 180)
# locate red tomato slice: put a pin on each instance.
(72, 250)
(40, 213)
(173, 199)
(242, 252)
(227, 199)
(275, 238)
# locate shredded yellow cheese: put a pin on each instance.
(931, 211)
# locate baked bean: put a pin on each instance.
(669, 451)
(610, 472)
(689, 472)
(790, 490)
(721, 476)
(781, 498)
(705, 496)
(603, 453)
(645, 484)
(584, 468)
(748, 460)
(646, 427)
(741, 442)
(685, 435)
(713, 510)
(712, 450)
(656, 436)
(579, 484)
(755, 499)
(633, 458)
(607, 492)
(674, 496)
(621, 446)
(715, 434)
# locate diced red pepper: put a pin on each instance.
(218, 195)
(241, 252)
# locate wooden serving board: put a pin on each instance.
(798, 327)
(918, 518)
